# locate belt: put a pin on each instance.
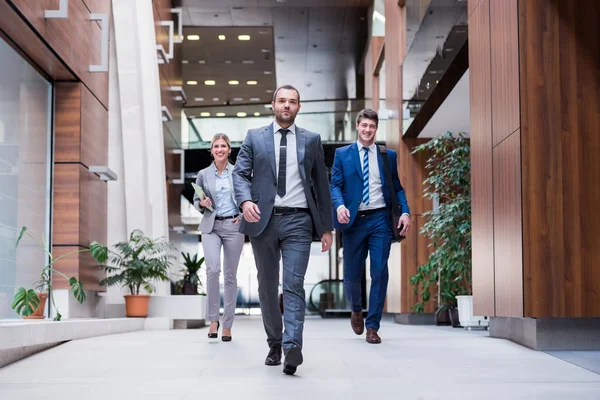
(226, 217)
(288, 210)
(364, 213)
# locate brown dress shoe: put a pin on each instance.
(372, 336)
(357, 322)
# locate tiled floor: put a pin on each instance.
(413, 362)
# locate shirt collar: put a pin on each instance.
(226, 170)
(360, 146)
(276, 128)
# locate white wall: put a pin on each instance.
(137, 200)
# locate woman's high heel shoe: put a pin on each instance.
(216, 334)
(226, 338)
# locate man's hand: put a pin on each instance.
(326, 241)
(404, 220)
(250, 211)
(343, 215)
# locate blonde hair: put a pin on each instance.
(220, 136)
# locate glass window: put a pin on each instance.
(25, 170)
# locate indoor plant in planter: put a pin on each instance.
(135, 264)
(30, 302)
(448, 227)
(190, 283)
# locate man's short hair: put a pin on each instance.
(367, 113)
(288, 87)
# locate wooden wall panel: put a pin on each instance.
(508, 239)
(16, 30)
(94, 130)
(560, 85)
(81, 266)
(482, 206)
(65, 218)
(67, 124)
(471, 6)
(92, 208)
(504, 45)
(33, 11)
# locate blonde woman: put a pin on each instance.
(220, 229)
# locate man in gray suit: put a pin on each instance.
(282, 187)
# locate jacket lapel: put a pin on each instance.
(355, 158)
(211, 181)
(232, 191)
(301, 152)
(268, 134)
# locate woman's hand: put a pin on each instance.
(205, 202)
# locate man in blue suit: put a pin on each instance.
(362, 203)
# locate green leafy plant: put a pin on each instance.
(137, 262)
(26, 300)
(448, 228)
(190, 282)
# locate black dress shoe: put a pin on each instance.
(274, 356)
(293, 358)
(214, 335)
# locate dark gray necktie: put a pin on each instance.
(282, 162)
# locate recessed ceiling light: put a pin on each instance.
(227, 61)
(220, 114)
(184, 61)
(263, 32)
(237, 99)
(198, 98)
(267, 72)
(222, 37)
(254, 99)
(205, 114)
(193, 37)
(266, 50)
(243, 37)
(233, 82)
(215, 99)
(269, 90)
(268, 106)
(252, 83)
(247, 62)
(209, 82)
(241, 114)
(192, 82)
(257, 114)
(201, 61)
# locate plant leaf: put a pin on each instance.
(23, 230)
(77, 289)
(25, 302)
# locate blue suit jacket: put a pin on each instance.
(346, 182)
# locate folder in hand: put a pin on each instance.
(201, 194)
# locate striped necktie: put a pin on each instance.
(282, 163)
(365, 192)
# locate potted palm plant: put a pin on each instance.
(135, 264)
(190, 283)
(449, 227)
(30, 303)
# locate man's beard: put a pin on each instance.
(283, 118)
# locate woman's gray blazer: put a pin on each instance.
(207, 181)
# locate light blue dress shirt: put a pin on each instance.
(224, 197)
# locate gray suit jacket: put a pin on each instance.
(255, 178)
(207, 181)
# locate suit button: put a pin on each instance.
(275, 184)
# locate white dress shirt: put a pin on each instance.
(376, 199)
(294, 193)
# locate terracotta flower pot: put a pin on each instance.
(39, 312)
(136, 305)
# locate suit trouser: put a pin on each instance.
(373, 234)
(224, 234)
(286, 237)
